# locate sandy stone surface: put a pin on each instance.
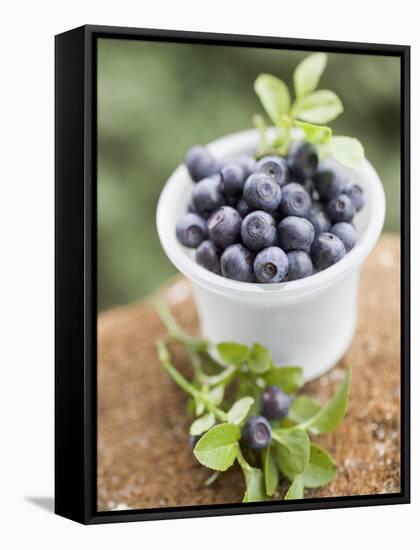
(144, 460)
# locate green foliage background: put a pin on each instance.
(155, 100)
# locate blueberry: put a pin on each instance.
(242, 207)
(275, 167)
(309, 186)
(355, 192)
(346, 233)
(300, 265)
(207, 196)
(257, 432)
(208, 256)
(318, 218)
(236, 263)
(327, 249)
(224, 226)
(262, 192)
(275, 404)
(193, 440)
(248, 163)
(295, 234)
(191, 208)
(295, 200)
(270, 265)
(302, 160)
(191, 230)
(200, 163)
(233, 177)
(258, 230)
(340, 209)
(329, 184)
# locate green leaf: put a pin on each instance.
(223, 377)
(321, 468)
(218, 448)
(303, 408)
(240, 409)
(271, 473)
(259, 359)
(295, 490)
(216, 394)
(231, 353)
(202, 424)
(348, 151)
(292, 451)
(274, 96)
(319, 107)
(254, 480)
(289, 379)
(308, 73)
(332, 413)
(314, 133)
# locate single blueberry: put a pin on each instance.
(275, 167)
(224, 226)
(318, 218)
(327, 249)
(236, 263)
(208, 256)
(257, 432)
(300, 265)
(346, 233)
(340, 209)
(329, 184)
(200, 163)
(258, 230)
(295, 200)
(295, 233)
(233, 176)
(242, 207)
(207, 196)
(355, 192)
(270, 265)
(275, 404)
(191, 230)
(302, 160)
(262, 192)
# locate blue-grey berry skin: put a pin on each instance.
(302, 161)
(248, 163)
(242, 207)
(275, 404)
(271, 265)
(233, 176)
(346, 232)
(327, 249)
(208, 256)
(262, 192)
(275, 167)
(295, 233)
(329, 184)
(309, 186)
(237, 263)
(191, 230)
(296, 201)
(258, 230)
(318, 218)
(224, 226)
(193, 440)
(355, 192)
(300, 265)
(191, 208)
(200, 163)
(256, 433)
(341, 209)
(207, 196)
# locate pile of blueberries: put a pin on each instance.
(272, 220)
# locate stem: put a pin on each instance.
(183, 383)
(242, 462)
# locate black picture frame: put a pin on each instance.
(76, 273)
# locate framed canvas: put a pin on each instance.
(232, 274)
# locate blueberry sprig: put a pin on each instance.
(308, 114)
(247, 412)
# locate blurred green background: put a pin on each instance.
(155, 100)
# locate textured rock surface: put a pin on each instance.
(143, 457)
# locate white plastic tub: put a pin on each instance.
(309, 322)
